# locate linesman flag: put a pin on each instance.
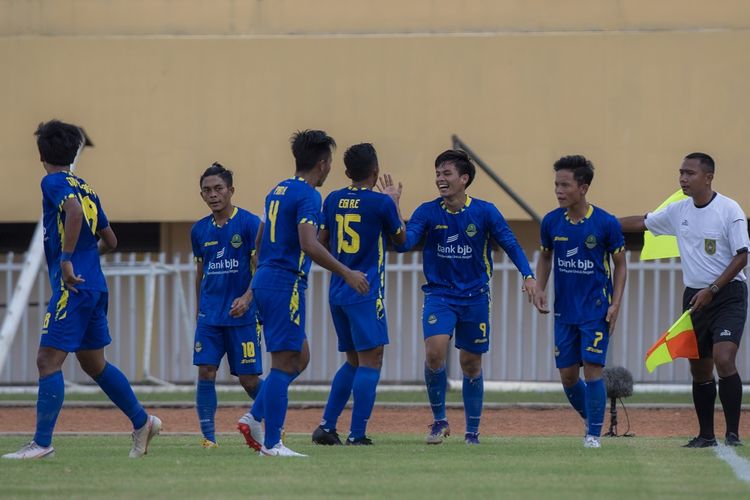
(677, 342)
(664, 246)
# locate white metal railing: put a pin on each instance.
(152, 311)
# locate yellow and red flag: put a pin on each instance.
(677, 342)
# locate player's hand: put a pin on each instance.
(702, 298)
(612, 313)
(537, 295)
(387, 187)
(530, 289)
(358, 281)
(240, 305)
(69, 277)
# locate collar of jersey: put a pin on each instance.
(353, 188)
(588, 214)
(297, 178)
(213, 221)
(466, 205)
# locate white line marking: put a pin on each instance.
(740, 465)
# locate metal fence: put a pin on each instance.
(152, 311)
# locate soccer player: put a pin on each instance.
(578, 240)
(227, 322)
(288, 243)
(76, 319)
(711, 232)
(458, 231)
(356, 221)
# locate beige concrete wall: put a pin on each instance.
(632, 85)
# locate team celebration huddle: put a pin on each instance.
(252, 271)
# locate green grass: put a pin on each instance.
(397, 466)
(383, 397)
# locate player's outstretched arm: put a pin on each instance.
(619, 278)
(633, 224)
(308, 240)
(73, 222)
(388, 187)
(543, 268)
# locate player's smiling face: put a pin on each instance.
(216, 193)
(447, 180)
(567, 189)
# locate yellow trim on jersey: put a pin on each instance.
(65, 198)
(587, 216)
(305, 220)
(618, 250)
(379, 308)
(234, 212)
(466, 205)
(354, 188)
(294, 315)
(487, 264)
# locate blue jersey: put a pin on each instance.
(457, 260)
(56, 189)
(225, 252)
(282, 265)
(581, 255)
(358, 221)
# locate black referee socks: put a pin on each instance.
(730, 394)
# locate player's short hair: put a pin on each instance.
(58, 142)
(461, 160)
(360, 160)
(705, 161)
(582, 168)
(309, 147)
(218, 169)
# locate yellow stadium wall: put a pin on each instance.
(164, 88)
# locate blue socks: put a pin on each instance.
(596, 402)
(48, 406)
(473, 393)
(341, 389)
(205, 405)
(577, 397)
(275, 402)
(116, 386)
(364, 386)
(437, 383)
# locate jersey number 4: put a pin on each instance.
(344, 227)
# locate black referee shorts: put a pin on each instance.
(722, 320)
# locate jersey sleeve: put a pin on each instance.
(253, 224)
(308, 209)
(738, 238)
(326, 218)
(501, 233)
(194, 240)
(615, 240)
(545, 234)
(415, 229)
(389, 216)
(57, 190)
(102, 222)
(662, 222)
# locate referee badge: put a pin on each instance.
(471, 230)
(236, 241)
(709, 246)
(590, 241)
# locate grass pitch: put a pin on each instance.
(396, 466)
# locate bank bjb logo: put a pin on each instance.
(590, 241)
(471, 230)
(236, 241)
(198, 347)
(709, 246)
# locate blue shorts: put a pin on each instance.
(283, 318)
(76, 321)
(471, 322)
(583, 342)
(240, 343)
(360, 327)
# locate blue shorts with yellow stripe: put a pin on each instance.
(470, 321)
(283, 316)
(586, 341)
(360, 327)
(241, 344)
(76, 321)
